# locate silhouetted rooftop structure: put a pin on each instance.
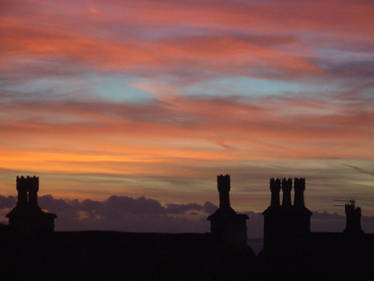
(285, 222)
(111, 255)
(292, 251)
(27, 216)
(353, 218)
(225, 223)
(314, 255)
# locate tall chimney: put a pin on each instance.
(223, 185)
(286, 188)
(299, 187)
(275, 186)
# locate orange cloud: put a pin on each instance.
(94, 11)
(190, 130)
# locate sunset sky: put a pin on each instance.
(155, 98)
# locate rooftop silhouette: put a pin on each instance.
(27, 216)
(33, 251)
(226, 224)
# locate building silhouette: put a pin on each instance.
(225, 223)
(291, 250)
(27, 216)
(353, 219)
(222, 254)
(284, 223)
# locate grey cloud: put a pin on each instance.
(7, 202)
(360, 170)
(142, 214)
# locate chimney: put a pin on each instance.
(223, 185)
(27, 188)
(299, 187)
(286, 188)
(353, 218)
(33, 191)
(22, 192)
(275, 186)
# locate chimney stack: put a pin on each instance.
(22, 192)
(299, 187)
(286, 188)
(223, 185)
(27, 188)
(33, 192)
(275, 186)
(353, 218)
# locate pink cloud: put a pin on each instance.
(195, 129)
(311, 42)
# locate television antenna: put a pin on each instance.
(346, 202)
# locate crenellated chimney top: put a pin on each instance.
(27, 188)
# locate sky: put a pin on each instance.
(155, 98)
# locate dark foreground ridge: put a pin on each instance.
(31, 250)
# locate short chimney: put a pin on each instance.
(27, 188)
(353, 218)
(299, 187)
(223, 185)
(286, 189)
(275, 186)
(22, 191)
